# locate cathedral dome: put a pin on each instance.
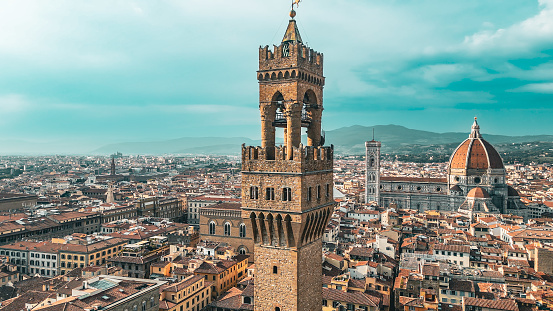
(475, 153)
(478, 193)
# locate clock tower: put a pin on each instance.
(287, 189)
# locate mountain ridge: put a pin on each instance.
(348, 140)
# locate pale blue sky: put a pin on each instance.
(143, 70)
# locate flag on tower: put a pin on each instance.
(297, 2)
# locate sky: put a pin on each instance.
(94, 72)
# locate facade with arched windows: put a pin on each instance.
(223, 223)
(474, 165)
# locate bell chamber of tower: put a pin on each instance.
(287, 190)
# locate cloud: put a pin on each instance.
(545, 88)
(137, 67)
(521, 38)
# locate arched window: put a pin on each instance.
(286, 194)
(227, 228)
(212, 227)
(242, 230)
(242, 251)
(248, 300)
(143, 305)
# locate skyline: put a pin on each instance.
(139, 71)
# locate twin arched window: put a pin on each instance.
(286, 194)
(212, 227)
(254, 193)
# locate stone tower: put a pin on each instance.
(372, 171)
(287, 190)
(112, 170)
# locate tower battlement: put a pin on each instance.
(304, 159)
(290, 55)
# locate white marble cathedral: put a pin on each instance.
(475, 182)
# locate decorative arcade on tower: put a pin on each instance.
(287, 189)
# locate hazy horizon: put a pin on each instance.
(108, 72)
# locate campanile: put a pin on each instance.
(287, 189)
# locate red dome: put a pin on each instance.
(478, 193)
(475, 153)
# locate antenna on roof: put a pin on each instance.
(373, 132)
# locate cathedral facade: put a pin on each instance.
(475, 182)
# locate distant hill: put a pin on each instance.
(346, 140)
(396, 138)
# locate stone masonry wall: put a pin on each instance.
(297, 285)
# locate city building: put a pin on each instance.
(136, 259)
(10, 202)
(73, 256)
(223, 222)
(223, 274)
(195, 203)
(190, 294)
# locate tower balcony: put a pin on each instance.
(304, 159)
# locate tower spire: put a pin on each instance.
(475, 130)
(292, 34)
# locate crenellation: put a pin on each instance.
(305, 159)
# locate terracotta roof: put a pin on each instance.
(355, 297)
(361, 252)
(231, 299)
(498, 304)
(184, 283)
(461, 285)
(431, 269)
(452, 248)
(478, 193)
(512, 192)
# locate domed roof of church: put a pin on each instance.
(512, 192)
(475, 153)
(456, 188)
(478, 193)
